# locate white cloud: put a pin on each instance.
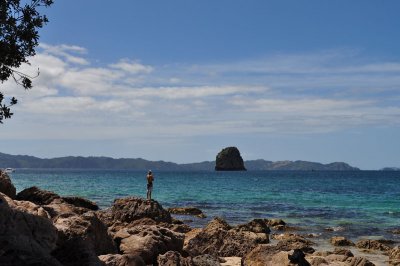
(132, 67)
(292, 93)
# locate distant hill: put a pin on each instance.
(72, 162)
(390, 169)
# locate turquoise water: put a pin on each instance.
(362, 203)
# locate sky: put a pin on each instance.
(179, 80)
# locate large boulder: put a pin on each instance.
(37, 195)
(373, 244)
(229, 159)
(220, 239)
(25, 239)
(6, 186)
(54, 204)
(148, 241)
(127, 210)
(82, 238)
(81, 202)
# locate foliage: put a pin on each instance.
(19, 24)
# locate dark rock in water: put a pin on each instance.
(6, 186)
(132, 208)
(187, 211)
(229, 159)
(256, 226)
(81, 202)
(37, 195)
(341, 241)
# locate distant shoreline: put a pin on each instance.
(79, 162)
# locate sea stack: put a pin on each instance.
(229, 159)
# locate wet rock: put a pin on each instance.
(373, 244)
(341, 241)
(37, 196)
(148, 241)
(229, 159)
(275, 222)
(25, 239)
(219, 239)
(81, 202)
(187, 211)
(6, 186)
(256, 226)
(82, 238)
(121, 260)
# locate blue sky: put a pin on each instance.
(179, 80)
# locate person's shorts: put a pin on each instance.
(149, 186)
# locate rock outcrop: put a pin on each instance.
(25, 239)
(37, 196)
(220, 239)
(132, 210)
(6, 186)
(187, 211)
(229, 159)
(81, 202)
(82, 238)
(148, 241)
(341, 241)
(381, 245)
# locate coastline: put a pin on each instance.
(132, 220)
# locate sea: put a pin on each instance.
(354, 204)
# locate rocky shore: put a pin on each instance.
(39, 227)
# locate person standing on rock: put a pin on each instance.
(150, 179)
